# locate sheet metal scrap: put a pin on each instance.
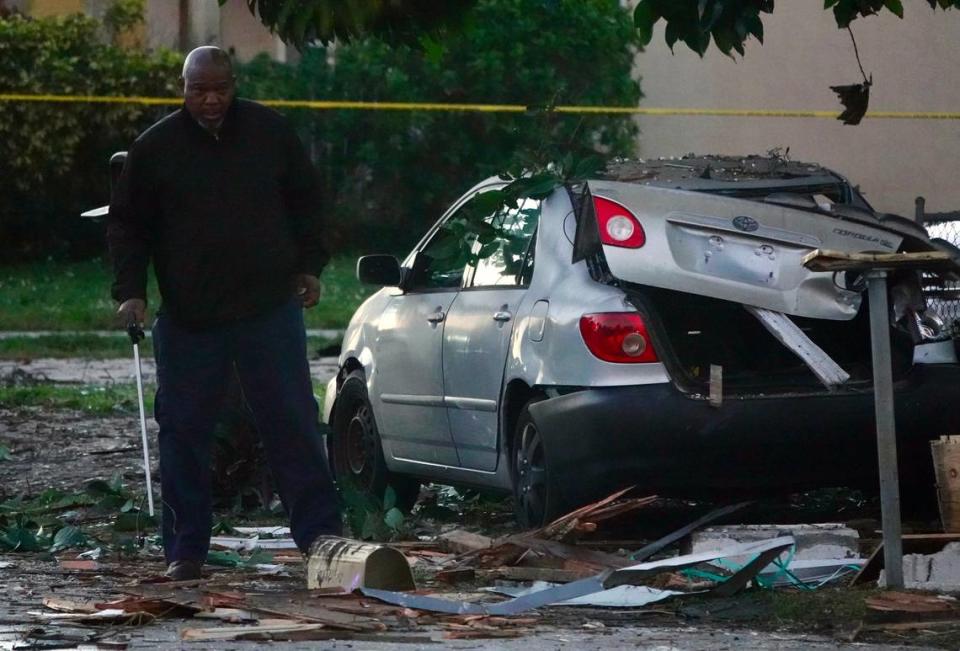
(646, 552)
(349, 564)
(764, 552)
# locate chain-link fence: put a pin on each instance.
(944, 296)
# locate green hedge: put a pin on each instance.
(389, 174)
(53, 156)
(386, 174)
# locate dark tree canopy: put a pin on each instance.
(729, 23)
(303, 21)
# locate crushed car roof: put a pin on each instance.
(697, 171)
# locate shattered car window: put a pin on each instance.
(502, 249)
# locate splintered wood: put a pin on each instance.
(550, 548)
(545, 554)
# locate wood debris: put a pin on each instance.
(910, 602)
(461, 541)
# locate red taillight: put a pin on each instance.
(618, 226)
(617, 337)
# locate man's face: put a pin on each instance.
(207, 92)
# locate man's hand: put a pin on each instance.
(132, 310)
(308, 289)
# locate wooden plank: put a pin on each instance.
(946, 467)
(829, 260)
(462, 542)
(521, 573)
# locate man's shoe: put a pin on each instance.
(184, 570)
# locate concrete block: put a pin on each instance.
(828, 541)
(938, 572)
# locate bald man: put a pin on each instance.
(223, 199)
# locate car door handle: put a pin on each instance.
(502, 316)
(436, 317)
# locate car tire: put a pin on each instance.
(535, 498)
(356, 450)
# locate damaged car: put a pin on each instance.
(653, 326)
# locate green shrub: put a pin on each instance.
(53, 155)
(388, 174)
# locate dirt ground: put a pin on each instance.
(112, 371)
(64, 449)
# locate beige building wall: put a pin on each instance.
(182, 24)
(245, 35)
(162, 20)
(916, 67)
(48, 8)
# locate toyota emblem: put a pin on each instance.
(744, 223)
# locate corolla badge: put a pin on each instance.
(744, 223)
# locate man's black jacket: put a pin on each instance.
(228, 220)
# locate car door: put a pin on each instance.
(478, 328)
(408, 382)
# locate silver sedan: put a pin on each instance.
(640, 331)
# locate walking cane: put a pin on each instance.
(136, 336)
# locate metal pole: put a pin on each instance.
(135, 332)
(886, 427)
(143, 430)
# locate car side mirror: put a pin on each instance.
(382, 270)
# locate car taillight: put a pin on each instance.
(617, 337)
(618, 226)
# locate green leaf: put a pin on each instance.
(389, 498)
(541, 187)
(134, 521)
(67, 537)
(394, 519)
(488, 249)
(99, 488)
(17, 538)
(5, 453)
(228, 558)
(896, 6)
(672, 33)
(447, 247)
(258, 557)
(644, 18)
(754, 26)
(371, 527)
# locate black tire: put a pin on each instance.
(535, 498)
(356, 451)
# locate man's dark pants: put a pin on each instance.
(194, 369)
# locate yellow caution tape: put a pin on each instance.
(490, 108)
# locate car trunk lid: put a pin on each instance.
(731, 249)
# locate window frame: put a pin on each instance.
(410, 260)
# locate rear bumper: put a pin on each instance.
(655, 437)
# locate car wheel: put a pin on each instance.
(535, 499)
(356, 451)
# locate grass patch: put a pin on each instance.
(70, 346)
(92, 346)
(828, 605)
(96, 400)
(76, 296)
